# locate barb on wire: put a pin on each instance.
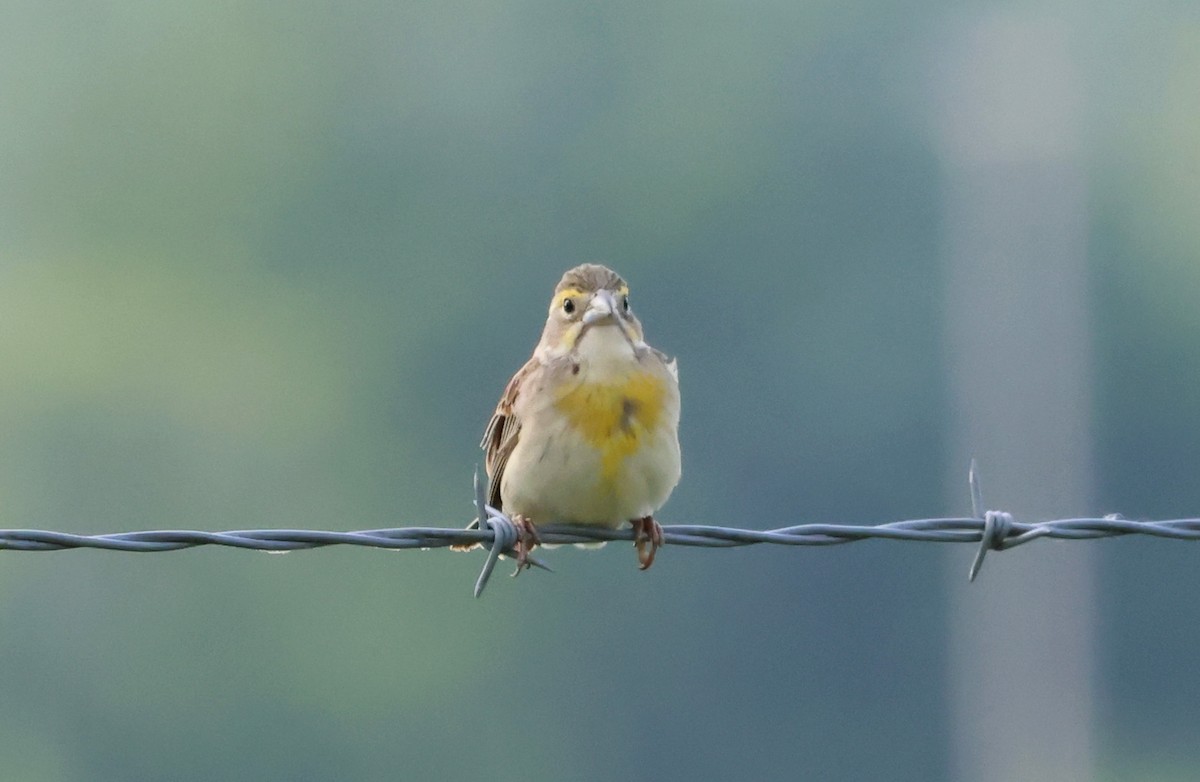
(504, 535)
(992, 530)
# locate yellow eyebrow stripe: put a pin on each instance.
(575, 293)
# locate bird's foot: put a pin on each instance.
(527, 538)
(647, 534)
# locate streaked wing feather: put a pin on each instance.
(502, 432)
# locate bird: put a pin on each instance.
(586, 432)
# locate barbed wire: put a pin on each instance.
(992, 530)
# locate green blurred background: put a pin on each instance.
(270, 265)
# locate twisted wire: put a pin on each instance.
(992, 530)
(934, 530)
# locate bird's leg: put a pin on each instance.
(646, 531)
(527, 538)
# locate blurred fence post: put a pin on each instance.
(1014, 230)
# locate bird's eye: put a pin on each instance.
(625, 304)
(568, 306)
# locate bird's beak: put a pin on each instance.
(602, 306)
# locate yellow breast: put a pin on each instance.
(615, 417)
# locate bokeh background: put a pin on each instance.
(270, 264)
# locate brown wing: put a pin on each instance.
(499, 439)
(502, 431)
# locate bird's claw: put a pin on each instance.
(647, 533)
(527, 539)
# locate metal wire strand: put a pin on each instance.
(992, 530)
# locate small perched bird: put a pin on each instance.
(587, 431)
